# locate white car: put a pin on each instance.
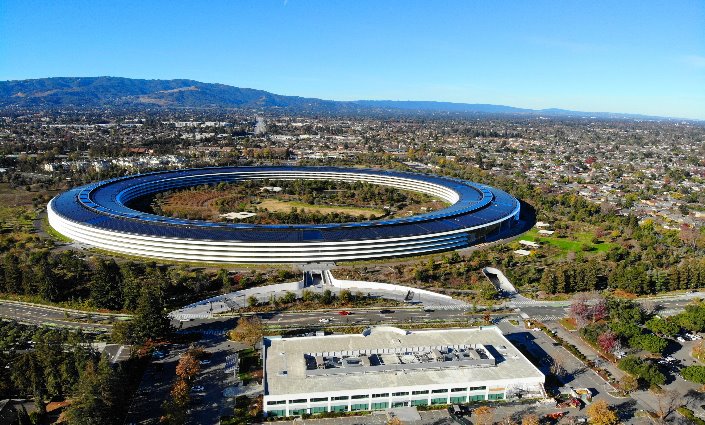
(198, 389)
(680, 339)
(324, 320)
(205, 362)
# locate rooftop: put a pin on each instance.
(390, 357)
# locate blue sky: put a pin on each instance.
(620, 56)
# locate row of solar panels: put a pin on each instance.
(77, 205)
(480, 218)
(109, 197)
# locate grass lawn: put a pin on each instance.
(568, 323)
(276, 205)
(572, 243)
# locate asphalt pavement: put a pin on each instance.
(34, 314)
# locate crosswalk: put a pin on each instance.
(528, 302)
(189, 316)
(547, 318)
(447, 307)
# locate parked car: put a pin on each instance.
(386, 311)
(198, 389)
(344, 313)
(324, 320)
(205, 362)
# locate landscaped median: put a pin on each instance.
(690, 415)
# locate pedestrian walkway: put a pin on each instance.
(547, 318)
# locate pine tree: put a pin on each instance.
(150, 320)
(106, 285)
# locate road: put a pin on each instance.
(34, 314)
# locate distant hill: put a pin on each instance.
(113, 91)
(99, 92)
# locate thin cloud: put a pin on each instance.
(695, 61)
(572, 46)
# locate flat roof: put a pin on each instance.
(286, 364)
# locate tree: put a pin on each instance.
(97, 400)
(180, 393)
(558, 370)
(694, 374)
(249, 331)
(665, 328)
(643, 370)
(188, 367)
(150, 320)
(345, 296)
(252, 301)
(629, 383)
(666, 404)
(106, 285)
(289, 297)
(483, 415)
(327, 297)
(607, 341)
(600, 413)
(28, 375)
(650, 343)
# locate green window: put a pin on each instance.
(439, 401)
(400, 404)
(496, 396)
(380, 406)
(479, 397)
(276, 413)
(423, 402)
(314, 400)
(458, 399)
(356, 407)
(315, 410)
(343, 408)
(275, 402)
(296, 412)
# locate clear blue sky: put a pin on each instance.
(621, 56)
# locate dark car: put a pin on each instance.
(386, 311)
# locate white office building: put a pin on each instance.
(386, 367)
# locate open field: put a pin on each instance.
(575, 242)
(276, 205)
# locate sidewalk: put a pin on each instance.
(586, 350)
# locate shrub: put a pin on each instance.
(694, 374)
(645, 371)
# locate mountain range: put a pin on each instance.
(116, 92)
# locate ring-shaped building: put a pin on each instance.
(99, 215)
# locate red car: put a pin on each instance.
(344, 313)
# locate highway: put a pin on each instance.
(34, 314)
(545, 312)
